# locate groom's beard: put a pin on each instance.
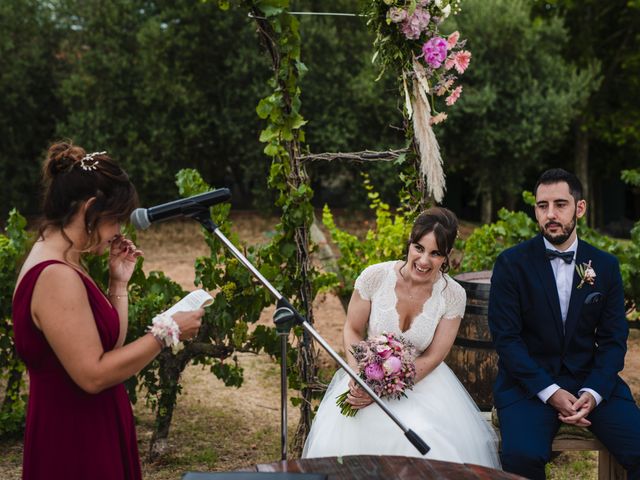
(559, 238)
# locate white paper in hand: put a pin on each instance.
(193, 301)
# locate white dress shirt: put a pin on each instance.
(563, 273)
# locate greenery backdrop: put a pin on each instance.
(167, 85)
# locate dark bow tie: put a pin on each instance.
(566, 256)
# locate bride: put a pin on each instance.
(414, 298)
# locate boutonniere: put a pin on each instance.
(587, 274)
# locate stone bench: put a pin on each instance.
(572, 438)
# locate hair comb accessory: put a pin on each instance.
(89, 163)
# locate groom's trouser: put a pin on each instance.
(527, 428)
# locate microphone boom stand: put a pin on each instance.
(284, 317)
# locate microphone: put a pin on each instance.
(142, 218)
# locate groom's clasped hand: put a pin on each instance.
(572, 410)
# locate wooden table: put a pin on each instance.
(371, 467)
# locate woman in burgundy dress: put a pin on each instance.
(71, 335)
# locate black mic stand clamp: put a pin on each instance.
(285, 317)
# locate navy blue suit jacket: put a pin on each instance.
(534, 348)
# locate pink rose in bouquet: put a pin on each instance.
(386, 363)
(374, 372)
(384, 351)
(392, 365)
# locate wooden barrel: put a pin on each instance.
(472, 357)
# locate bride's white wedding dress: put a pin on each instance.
(438, 409)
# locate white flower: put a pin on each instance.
(587, 274)
(438, 3)
(165, 329)
(446, 11)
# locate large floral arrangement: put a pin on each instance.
(387, 364)
(408, 40)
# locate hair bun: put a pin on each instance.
(61, 157)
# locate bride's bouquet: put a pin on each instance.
(387, 364)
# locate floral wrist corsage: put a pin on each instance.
(165, 329)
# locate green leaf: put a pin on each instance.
(270, 11)
(268, 134)
(264, 108)
(271, 149)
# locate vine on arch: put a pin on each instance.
(291, 247)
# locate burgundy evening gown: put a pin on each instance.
(71, 434)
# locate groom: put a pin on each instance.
(561, 338)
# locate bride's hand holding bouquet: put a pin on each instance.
(386, 363)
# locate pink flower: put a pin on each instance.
(436, 119)
(461, 60)
(374, 371)
(384, 351)
(397, 15)
(390, 377)
(452, 40)
(415, 24)
(453, 98)
(449, 62)
(435, 51)
(443, 87)
(392, 365)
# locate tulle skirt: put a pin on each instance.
(438, 409)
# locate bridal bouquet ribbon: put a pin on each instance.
(387, 364)
(409, 40)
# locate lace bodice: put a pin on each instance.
(377, 283)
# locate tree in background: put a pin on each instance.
(29, 109)
(606, 132)
(167, 85)
(214, 61)
(348, 109)
(159, 87)
(519, 98)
